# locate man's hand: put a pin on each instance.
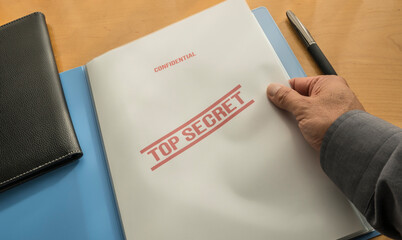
(316, 102)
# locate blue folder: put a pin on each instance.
(77, 201)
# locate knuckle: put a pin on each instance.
(341, 79)
(322, 80)
(338, 79)
(283, 96)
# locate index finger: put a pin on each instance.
(304, 85)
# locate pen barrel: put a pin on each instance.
(321, 60)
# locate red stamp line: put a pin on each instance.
(204, 135)
(191, 120)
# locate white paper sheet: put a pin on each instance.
(226, 163)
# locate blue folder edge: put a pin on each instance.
(279, 43)
(77, 201)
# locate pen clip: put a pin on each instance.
(299, 27)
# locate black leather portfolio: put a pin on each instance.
(36, 133)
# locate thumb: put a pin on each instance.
(284, 97)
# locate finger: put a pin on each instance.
(284, 97)
(308, 86)
(304, 85)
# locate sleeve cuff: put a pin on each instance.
(353, 154)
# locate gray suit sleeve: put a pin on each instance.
(362, 154)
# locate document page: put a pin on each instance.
(195, 149)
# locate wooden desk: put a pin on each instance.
(362, 39)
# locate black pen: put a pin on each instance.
(311, 45)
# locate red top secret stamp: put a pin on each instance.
(197, 128)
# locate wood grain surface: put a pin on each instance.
(361, 38)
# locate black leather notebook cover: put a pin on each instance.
(36, 133)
